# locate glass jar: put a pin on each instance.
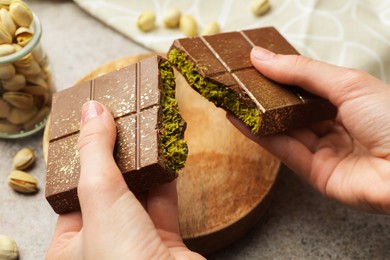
(25, 85)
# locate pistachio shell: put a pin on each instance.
(37, 80)
(21, 116)
(23, 159)
(17, 47)
(22, 182)
(260, 7)
(24, 62)
(5, 2)
(172, 18)
(211, 28)
(34, 90)
(38, 53)
(6, 7)
(4, 109)
(21, 13)
(146, 21)
(15, 83)
(6, 49)
(39, 117)
(8, 248)
(31, 70)
(7, 21)
(8, 128)
(5, 36)
(23, 36)
(188, 25)
(19, 99)
(7, 71)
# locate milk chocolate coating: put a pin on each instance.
(133, 95)
(224, 59)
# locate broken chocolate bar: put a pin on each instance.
(149, 148)
(219, 68)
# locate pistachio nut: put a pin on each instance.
(8, 128)
(188, 25)
(172, 18)
(31, 70)
(19, 99)
(21, 13)
(5, 2)
(15, 83)
(7, 71)
(23, 159)
(8, 248)
(147, 21)
(6, 49)
(42, 100)
(34, 90)
(38, 53)
(37, 80)
(6, 7)
(4, 109)
(211, 28)
(21, 116)
(24, 62)
(260, 7)
(5, 36)
(7, 21)
(22, 182)
(38, 118)
(23, 36)
(17, 47)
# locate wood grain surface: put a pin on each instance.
(226, 185)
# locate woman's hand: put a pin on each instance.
(347, 159)
(113, 223)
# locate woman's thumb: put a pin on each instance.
(101, 181)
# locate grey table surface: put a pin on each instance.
(300, 224)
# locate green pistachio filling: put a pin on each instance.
(219, 95)
(173, 147)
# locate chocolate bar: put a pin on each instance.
(219, 68)
(149, 148)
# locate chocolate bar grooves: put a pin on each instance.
(92, 90)
(219, 68)
(247, 38)
(138, 112)
(228, 69)
(147, 151)
(116, 119)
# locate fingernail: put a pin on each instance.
(91, 109)
(262, 54)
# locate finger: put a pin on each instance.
(101, 182)
(70, 222)
(329, 81)
(288, 149)
(304, 135)
(162, 206)
(321, 128)
(64, 245)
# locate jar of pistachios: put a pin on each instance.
(25, 79)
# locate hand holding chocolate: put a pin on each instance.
(150, 149)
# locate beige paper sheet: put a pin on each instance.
(352, 33)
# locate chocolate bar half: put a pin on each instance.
(149, 148)
(219, 68)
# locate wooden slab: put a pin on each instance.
(227, 183)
